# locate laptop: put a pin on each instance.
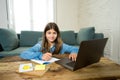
(89, 52)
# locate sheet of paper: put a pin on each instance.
(25, 67)
(53, 59)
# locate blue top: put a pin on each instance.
(34, 52)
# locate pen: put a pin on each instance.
(46, 63)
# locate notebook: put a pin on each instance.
(89, 52)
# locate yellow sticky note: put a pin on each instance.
(40, 67)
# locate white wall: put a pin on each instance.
(67, 14)
(3, 14)
(105, 16)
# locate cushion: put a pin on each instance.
(85, 34)
(68, 37)
(29, 38)
(98, 36)
(8, 39)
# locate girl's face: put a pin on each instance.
(51, 35)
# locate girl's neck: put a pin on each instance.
(51, 44)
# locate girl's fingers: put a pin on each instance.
(47, 56)
(73, 57)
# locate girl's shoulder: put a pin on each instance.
(40, 42)
(64, 44)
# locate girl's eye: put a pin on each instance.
(49, 32)
(54, 33)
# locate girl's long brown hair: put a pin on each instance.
(58, 41)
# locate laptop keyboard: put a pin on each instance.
(71, 64)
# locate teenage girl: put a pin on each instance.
(50, 44)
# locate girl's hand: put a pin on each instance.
(47, 56)
(73, 56)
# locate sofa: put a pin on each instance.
(12, 44)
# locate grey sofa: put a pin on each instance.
(13, 44)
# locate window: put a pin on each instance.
(30, 14)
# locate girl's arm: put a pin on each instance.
(32, 53)
(69, 49)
